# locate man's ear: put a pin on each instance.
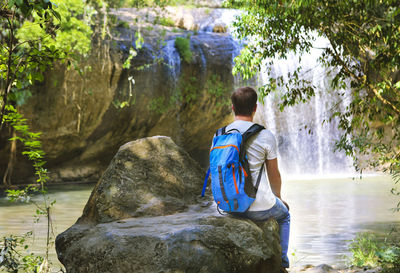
(233, 109)
(255, 108)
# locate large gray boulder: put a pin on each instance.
(147, 177)
(144, 215)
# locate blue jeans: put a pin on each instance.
(281, 214)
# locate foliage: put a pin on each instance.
(11, 258)
(362, 52)
(164, 21)
(31, 142)
(218, 90)
(182, 44)
(367, 250)
(364, 249)
(132, 54)
(131, 99)
(33, 150)
(188, 93)
(34, 35)
(185, 94)
(73, 32)
(157, 105)
(133, 51)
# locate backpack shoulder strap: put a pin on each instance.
(220, 131)
(254, 129)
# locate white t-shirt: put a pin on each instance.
(260, 147)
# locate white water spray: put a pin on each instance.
(306, 145)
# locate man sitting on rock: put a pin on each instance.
(262, 149)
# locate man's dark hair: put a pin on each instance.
(244, 99)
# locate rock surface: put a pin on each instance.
(81, 118)
(184, 242)
(203, 19)
(144, 215)
(147, 177)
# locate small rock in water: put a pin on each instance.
(220, 29)
(324, 268)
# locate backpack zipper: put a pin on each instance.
(225, 146)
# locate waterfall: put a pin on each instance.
(300, 152)
(217, 17)
(172, 60)
(306, 144)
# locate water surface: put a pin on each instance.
(326, 215)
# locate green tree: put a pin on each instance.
(34, 35)
(363, 51)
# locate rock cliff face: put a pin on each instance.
(85, 118)
(144, 216)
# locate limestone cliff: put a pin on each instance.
(80, 114)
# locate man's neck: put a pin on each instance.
(245, 118)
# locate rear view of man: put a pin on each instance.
(262, 149)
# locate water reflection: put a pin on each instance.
(326, 215)
(18, 218)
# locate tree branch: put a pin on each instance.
(385, 101)
(363, 79)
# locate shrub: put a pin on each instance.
(183, 46)
(166, 21)
(364, 249)
(367, 250)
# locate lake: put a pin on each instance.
(326, 214)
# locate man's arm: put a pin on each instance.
(274, 178)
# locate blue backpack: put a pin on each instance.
(231, 182)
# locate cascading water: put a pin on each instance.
(301, 153)
(172, 60)
(306, 145)
(217, 17)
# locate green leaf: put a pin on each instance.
(56, 14)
